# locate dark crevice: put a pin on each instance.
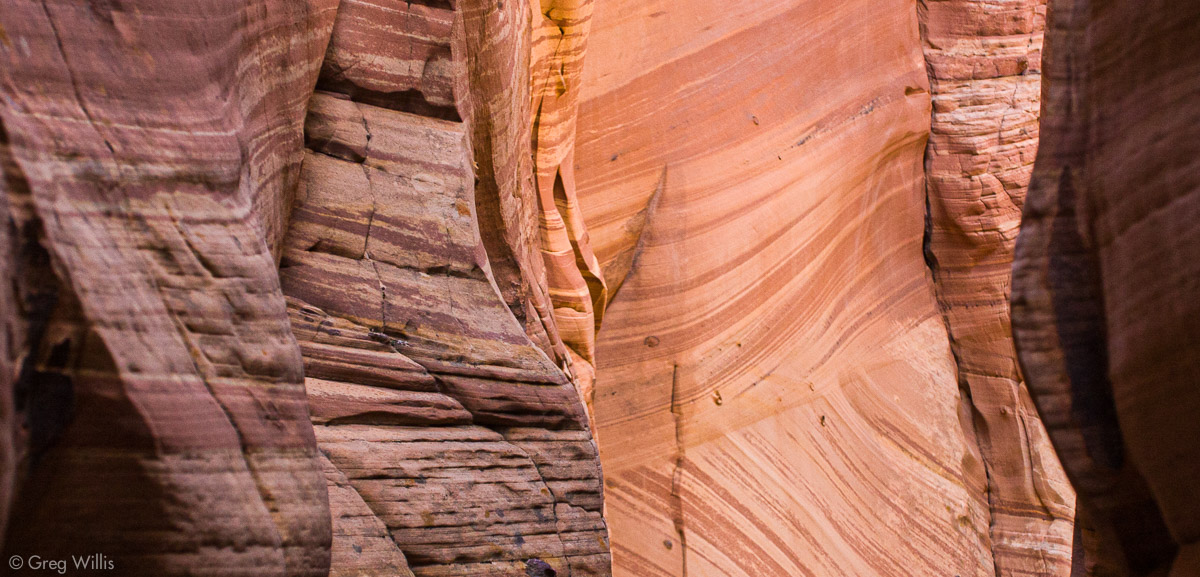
(412, 101)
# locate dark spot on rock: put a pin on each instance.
(614, 158)
(651, 341)
(539, 568)
(668, 544)
(754, 119)
(357, 548)
(520, 540)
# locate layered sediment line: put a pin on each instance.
(776, 393)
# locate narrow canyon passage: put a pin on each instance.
(583, 288)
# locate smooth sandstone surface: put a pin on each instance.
(1104, 306)
(775, 381)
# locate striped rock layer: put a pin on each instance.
(449, 425)
(189, 253)
(150, 151)
(783, 387)
(1104, 282)
(984, 63)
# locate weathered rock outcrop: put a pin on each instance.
(156, 363)
(1104, 286)
(775, 381)
(454, 444)
(151, 151)
(984, 64)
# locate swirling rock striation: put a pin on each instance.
(776, 392)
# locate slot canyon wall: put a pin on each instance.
(780, 389)
(373, 287)
(217, 208)
(1104, 285)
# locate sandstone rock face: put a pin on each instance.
(984, 63)
(158, 162)
(454, 439)
(1104, 280)
(305, 288)
(776, 392)
(151, 150)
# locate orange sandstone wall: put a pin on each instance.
(776, 393)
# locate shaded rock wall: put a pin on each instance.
(1104, 279)
(159, 412)
(984, 62)
(158, 163)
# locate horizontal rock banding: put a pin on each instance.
(984, 63)
(454, 444)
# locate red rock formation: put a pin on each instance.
(984, 63)
(1104, 280)
(776, 393)
(151, 152)
(455, 445)
(161, 151)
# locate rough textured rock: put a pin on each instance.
(158, 163)
(456, 443)
(984, 62)
(1104, 306)
(160, 416)
(775, 382)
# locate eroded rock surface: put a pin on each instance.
(150, 154)
(159, 161)
(1104, 306)
(455, 439)
(984, 62)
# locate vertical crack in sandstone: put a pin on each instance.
(966, 402)
(554, 499)
(677, 474)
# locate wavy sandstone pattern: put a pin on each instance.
(776, 393)
(984, 63)
(1104, 306)
(305, 288)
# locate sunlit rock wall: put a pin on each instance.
(776, 393)
(984, 62)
